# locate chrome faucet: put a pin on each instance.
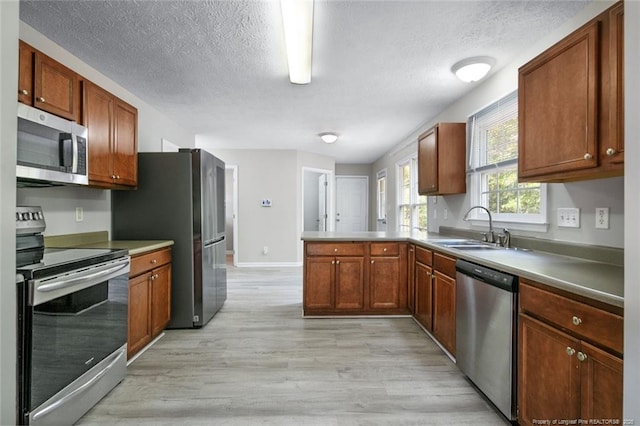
(489, 237)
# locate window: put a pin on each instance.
(381, 188)
(412, 207)
(493, 166)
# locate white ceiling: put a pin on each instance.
(380, 68)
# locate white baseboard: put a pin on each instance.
(269, 264)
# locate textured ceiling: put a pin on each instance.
(380, 68)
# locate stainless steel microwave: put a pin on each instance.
(51, 150)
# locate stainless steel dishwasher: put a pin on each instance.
(486, 302)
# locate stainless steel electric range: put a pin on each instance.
(72, 324)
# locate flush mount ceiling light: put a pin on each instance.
(472, 69)
(297, 19)
(328, 137)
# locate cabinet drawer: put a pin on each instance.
(147, 261)
(335, 249)
(385, 249)
(424, 256)
(444, 264)
(599, 326)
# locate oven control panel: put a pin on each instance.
(29, 220)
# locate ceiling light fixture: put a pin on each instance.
(328, 137)
(472, 69)
(297, 19)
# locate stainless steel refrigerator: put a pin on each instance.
(180, 197)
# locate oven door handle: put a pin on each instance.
(73, 282)
(83, 388)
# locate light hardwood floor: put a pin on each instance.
(259, 362)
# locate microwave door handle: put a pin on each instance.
(74, 162)
(63, 283)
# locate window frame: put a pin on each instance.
(416, 201)
(477, 173)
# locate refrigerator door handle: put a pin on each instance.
(210, 243)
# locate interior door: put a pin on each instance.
(322, 202)
(352, 203)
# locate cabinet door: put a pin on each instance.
(55, 87)
(25, 74)
(549, 378)
(318, 282)
(98, 118)
(160, 299)
(385, 287)
(139, 313)
(125, 146)
(613, 147)
(349, 283)
(428, 162)
(423, 309)
(411, 279)
(444, 311)
(558, 107)
(601, 384)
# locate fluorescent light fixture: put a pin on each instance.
(472, 69)
(297, 19)
(328, 137)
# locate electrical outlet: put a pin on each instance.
(569, 218)
(265, 250)
(79, 214)
(602, 217)
(435, 213)
(445, 214)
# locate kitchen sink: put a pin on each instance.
(462, 244)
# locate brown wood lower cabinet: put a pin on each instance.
(562, 376)
(355, 278)
(424, 288)
(444, 301)
(149, 298)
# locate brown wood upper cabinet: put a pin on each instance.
(571, 105)
(47, 84)
(441, 160)
(113, 138)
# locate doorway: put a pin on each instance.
(316, 199)
(231, 213)
(352, 203)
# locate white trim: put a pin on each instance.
(383, 173)
(234, 168)
(520, 226)
(269, 264)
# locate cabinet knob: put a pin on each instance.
(384, 249)
(117, 176)
(576, 321)
(152, 277)
(610, 152)
(588, 156)
(24, 92)
(570, 351)
(333, 262)
(113, 176)
(337, 262)
(40, 99)
(335, 250)
(154, 261)
(372, 261)
(582, 356)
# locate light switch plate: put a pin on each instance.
(602, 217)
(569, 218)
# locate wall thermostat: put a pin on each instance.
(265, 203)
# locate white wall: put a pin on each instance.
(59, 204)
(8, 132)
(632, 206)
(276, 175)
(585, 195)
